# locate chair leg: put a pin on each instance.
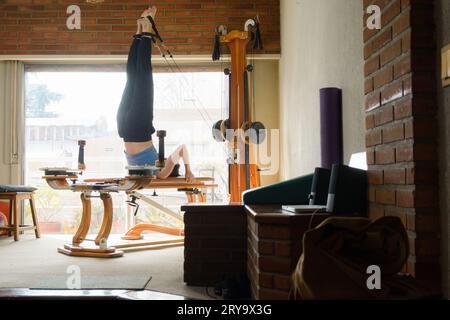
(10, 218)
(34, 216)
(16, 220)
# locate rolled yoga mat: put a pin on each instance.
(331, 126)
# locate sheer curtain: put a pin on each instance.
(12, 83)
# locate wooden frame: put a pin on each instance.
(237, 41)
(98, 247)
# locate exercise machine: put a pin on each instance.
(138, 178)
(240, 131)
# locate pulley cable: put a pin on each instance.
(169, 53)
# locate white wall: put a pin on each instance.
(322, 46)
(267, 108)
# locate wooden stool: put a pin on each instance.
(14, 198)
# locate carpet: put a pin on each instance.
(31, 263)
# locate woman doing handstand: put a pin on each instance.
(135, 114)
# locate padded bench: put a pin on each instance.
(14, 194)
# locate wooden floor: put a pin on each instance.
(28, 294)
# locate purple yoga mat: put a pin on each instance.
(331, 126)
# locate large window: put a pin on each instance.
(63, 107)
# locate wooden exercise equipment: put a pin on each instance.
(239, 131)
(161, 134)
(81, 164)
(99, 247)
(139, 178)
(243, 171)
(161, 162)
(195, 192)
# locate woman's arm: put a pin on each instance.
(172, 160)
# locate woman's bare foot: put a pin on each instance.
(145, 13)
(146, 26)
(152, 11)
(149, 12)
(141, 20)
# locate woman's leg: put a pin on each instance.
(135, 116)
(173, 159)
(139, 118)
(127, 96)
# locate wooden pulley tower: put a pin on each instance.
(243, 170)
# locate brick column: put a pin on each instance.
(400, 88)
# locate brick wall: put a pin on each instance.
(401, 124)
(274, 248)
(187, 26)
(215, 243)
(273, 253)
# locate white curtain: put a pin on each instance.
(12, 121)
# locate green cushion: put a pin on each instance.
(290, 192)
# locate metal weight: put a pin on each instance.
(255, 132)
(224, 126)
(217, 134)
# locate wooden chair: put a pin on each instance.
(15, 194)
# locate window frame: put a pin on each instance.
(158, 67)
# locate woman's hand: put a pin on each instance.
(190, 178)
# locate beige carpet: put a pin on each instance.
(32, 263)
